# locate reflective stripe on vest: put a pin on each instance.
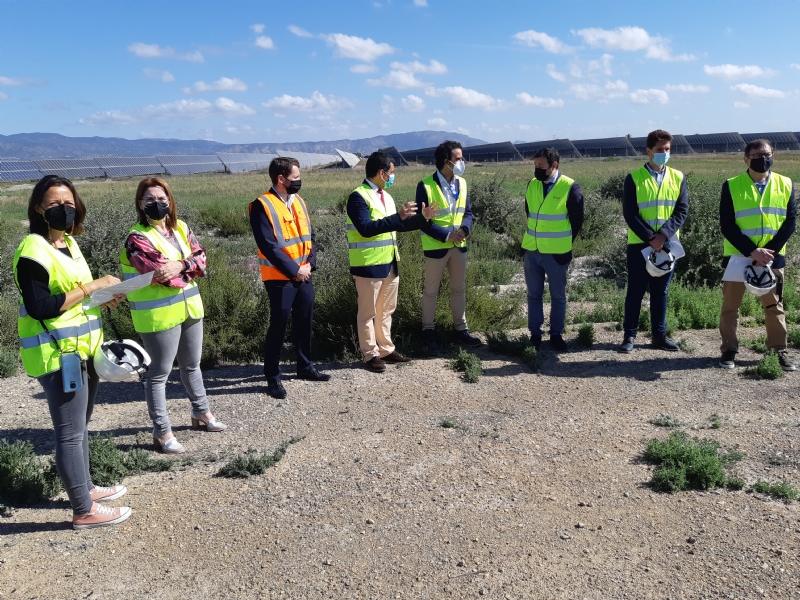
(77, 329)
(549, 229)
(292, 229)
(759, 217)
(447, 217)
(377, 250)
(158, 307)
(656, 202)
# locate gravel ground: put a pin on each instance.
(541, 493)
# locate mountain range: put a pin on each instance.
(29, 146)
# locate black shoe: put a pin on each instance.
(313, 375)
(786, 363)
(394, 358)
(276, 390)
(726, 361)
(429, 337)
(376, 365)
(464, 337)
(627, 345)
(664, 343)
(536, 342)
(558, 343)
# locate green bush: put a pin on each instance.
(492, 205)
(223, 220)
(9, 362)
(469, 364)
(612, 186)
(249, 464)
(24, 478)
(602, 221)
(531, 358)
(586, 335)
(108, 465)
(769, 367)
(500, 342)
(783, 489)
(794, 337)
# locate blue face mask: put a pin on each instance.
(660, 158)
(390, 183)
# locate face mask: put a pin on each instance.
(294, 186)
(459, 168)
(660, 158)
(540, 174)
(390, 183)
(761, 165)
(60, 218)
(156, 210)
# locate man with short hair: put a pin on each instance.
(655, 205)
(287, 255)
(554, 205)
(444, 241)
(372, 223)
(757, 213)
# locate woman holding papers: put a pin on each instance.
(168, 313)
(59, 335)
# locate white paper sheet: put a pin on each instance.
(123, 287)
(735, 269)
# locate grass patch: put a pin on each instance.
(531, 358)
(468, 364)
(768, 367)
(9, 362)
(249, 464)
(784, 489)
(451, 424)
(663, 420)
(757, 345)
(586, 335)
(687, 464)
(108, 465)
(715, 420)
(24, 477)
(794, 337)
(501, 343)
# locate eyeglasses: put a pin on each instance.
(151, 199)
(762, 155)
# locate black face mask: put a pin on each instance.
(294, 186)
(156, 210)
(761, 165)
(540, 174)
(60, 218)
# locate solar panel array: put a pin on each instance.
(349, 159)
(129, 166)
(239, 162)
(565, 148)
(70, 167)
(679, 145)
(19, 170)
(186, 164)
(310, 159)
(781, 140)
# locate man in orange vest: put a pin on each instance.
(286, 256)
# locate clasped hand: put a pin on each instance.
(657, 241)
(304, 273)
(171, 269)
(762, 256)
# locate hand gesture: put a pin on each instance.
(304, 273)
(762, 256)
(428, 211)
(163, 274)
(409, 209)
(456, 236)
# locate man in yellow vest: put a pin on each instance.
(655, 205)
(554, 205)
(372, 223)
(444, 241)
(286, 255)
(757, 213)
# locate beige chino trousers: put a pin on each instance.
(775, 319)
(455, 261)
(377, 301)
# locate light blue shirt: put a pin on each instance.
(453, 195)
(763, 185)
(659, 175)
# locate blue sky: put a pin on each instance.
(245, 72)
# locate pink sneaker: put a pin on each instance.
(101, 516)
(104, 494)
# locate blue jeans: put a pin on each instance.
(639, 281)
(537, 265)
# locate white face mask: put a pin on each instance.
(459, 168)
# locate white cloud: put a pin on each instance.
(350, 46)
(631, 39)
(412, 103)
(603, 64)
(462, 131)
(733, 72)
(527, 100)
(437, 122)
(461, 97)
(754, 91)
(738, 104)
(318, 103)
(420, 2)
(651, 96)
(179, 110)
(4, 96)
(164, 76)
(434, 68)
(688, 88)
(15, 81)
(299, 31)
(156, 51)
(265, 42)
(553, 72)
(258, 27)
(363, 68)
(590, 91)
(795, 66)
(398, 79)
(548, 43)
(223, 84)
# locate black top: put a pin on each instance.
(630, 211)
(574, 213)
(34, 285)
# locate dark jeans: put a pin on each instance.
(639, 281)
(288, 298)
(537, 265)
(71, 412)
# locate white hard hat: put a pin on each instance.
(759, 280)
(660, 263)
(119, 359)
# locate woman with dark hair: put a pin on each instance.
(167, 314)
(59, 336)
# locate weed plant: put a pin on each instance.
(108, 465)
(24, 477)
(251, 464)
(9, 362)
(586, 335)
(757, 345)
(783, 490)
(501, 343)
(451, 424)
(468, 364)
(225, 221)
(769, 367)
(530, 357)
(663, 420)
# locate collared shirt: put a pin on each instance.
(450, 190)
(659, 175)
(761, 186)
(377, 191)
(548, 185)
(288, 202)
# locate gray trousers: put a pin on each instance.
(71, 413)
(186, 342)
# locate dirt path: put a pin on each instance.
(541, 493)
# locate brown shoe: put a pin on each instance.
(395, 357)
(101, 516)
(376, 365)
(104, 494)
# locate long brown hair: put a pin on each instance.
(36, 220)
(171, 220)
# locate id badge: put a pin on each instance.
(71, 372)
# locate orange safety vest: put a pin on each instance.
(292, 232)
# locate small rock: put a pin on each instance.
(327, 562)
(599, 528)
(482, 592)
(370, 522)
(626, 494)
(420, 442)
(581, 504)
(460, 563)
(580, 525)
(564, 536)
(778, 551)
(690, 540)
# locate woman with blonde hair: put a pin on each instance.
(168, 313)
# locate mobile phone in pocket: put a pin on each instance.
(71, 372)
